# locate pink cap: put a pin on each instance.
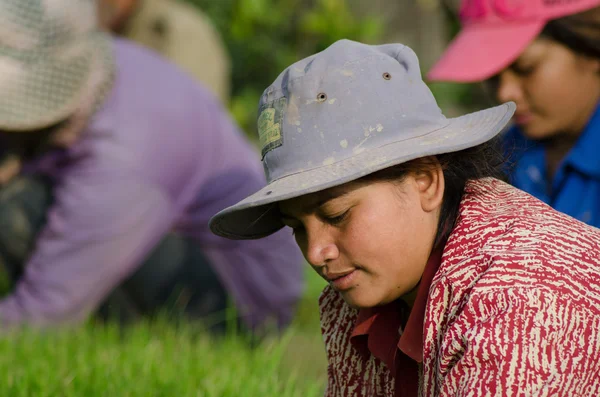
(495, 33)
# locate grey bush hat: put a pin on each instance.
(53, 59)
(343, 113)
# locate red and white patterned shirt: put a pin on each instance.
(513, 310)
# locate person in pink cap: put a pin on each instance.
(544, 55)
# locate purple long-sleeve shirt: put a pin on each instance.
(160, 155)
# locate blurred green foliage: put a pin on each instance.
(157, 359)
(265, 36)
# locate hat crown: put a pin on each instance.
(334, 105)
(32, 26)
(54, 61)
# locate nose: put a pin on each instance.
(509, 88)
(321, 247)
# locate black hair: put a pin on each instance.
(579, 32)
(27, 145)
(482, 161)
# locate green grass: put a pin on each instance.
(157, 359)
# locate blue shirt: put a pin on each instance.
(575, 187)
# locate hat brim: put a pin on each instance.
(44, 92)
(258, 216)
(481, 51)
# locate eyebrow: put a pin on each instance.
(309, 208)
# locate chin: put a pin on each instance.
(357, 300)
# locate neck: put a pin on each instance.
(559, 146)
(586, 113)
(556, 150)
(561, 143)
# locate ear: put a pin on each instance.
(430, 183)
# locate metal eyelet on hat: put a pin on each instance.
(268, 193)
(321, 97)
(387, 76)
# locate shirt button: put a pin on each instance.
(586, 216)
(534, 173)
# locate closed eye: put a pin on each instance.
(523, 70)
(337, 219)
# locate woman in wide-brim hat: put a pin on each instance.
(544, 56)
(442, 278)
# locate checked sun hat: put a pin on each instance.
(53, 61)
(495, 32)
(343, 113)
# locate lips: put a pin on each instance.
(523, 118)
(335, 276)
(343, 281)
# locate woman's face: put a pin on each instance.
(556, 90)
(370, 241)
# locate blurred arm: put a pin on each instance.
(99, 228)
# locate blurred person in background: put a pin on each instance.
(113, 162)
(178, 31)
(545, 56)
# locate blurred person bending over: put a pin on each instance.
(113, 163)
(545, 56)
(178, 31)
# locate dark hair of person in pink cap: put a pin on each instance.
(544, 55)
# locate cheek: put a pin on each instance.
(376, 234)
(551, 102)
(546, 90)
(389, 245)
(555, 92)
